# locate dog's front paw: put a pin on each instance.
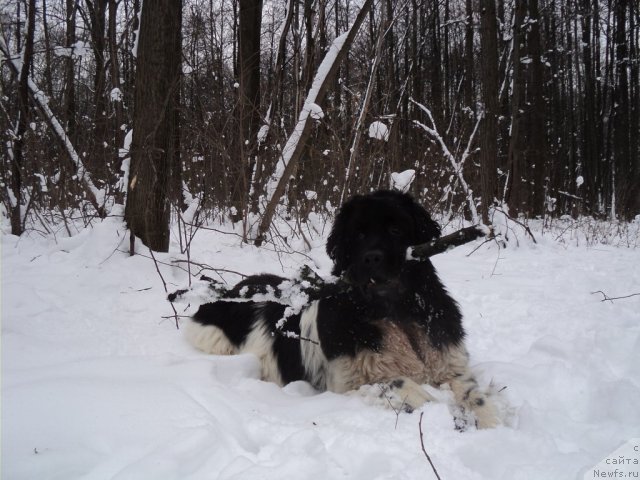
(477, 410)
(405, 394)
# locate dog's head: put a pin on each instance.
(370, 236)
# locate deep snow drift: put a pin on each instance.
(96, 384)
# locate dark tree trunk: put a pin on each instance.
(47, 51)
(436, 78)
(590, 153)
(634, 128)
(249, 28)
(489, 80)
(537, 158)
(623, 165)
(70, 91)
(517, 191)
(101, 143)
(468, 56)
(154, 152)
(23, 122)
(114, 69)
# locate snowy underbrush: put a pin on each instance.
(591, 232)
(291, 233)
(98, 383)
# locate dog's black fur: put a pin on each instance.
(396, 324)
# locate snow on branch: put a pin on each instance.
(294, 146)
(94, 195)
(456, 165)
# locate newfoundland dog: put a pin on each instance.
(394, 327)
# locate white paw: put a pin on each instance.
(410, 394)
(401, 394)
(479, 410)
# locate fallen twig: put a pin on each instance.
(164, 284)
(611, 299)
(424, 450)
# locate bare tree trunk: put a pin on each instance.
(537, 112)
(468, 56)
(47, 51)
(114, 67)
(589, 144)
(101, 143)
(69, 76)
(23, 121)
(623, 163)
(489, 79)
(154, 152)
(436, 77)
(517, 193)
(634, 127)
(249, 29)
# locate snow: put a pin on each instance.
(96, 384)
(315, 111)
(402, 181)
(116, 95)
(379, 131)
(262, 134)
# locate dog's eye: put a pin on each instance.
(395, 231)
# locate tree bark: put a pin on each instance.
(517, 193)
(23, 121)
(69, 75)
(154, 153)
(624, 171)
(537, 157)
(468, 56)
(101, 144)
(489, 80)
(249, 28)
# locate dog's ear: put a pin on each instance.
(338, 241)
(426, 228)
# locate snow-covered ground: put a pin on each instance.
(97, 385)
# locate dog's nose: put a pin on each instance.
(373, 258)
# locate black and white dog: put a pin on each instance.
(395, 326)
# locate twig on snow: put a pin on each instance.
(164, 284)
(424, 450)
(611, 299)
(384, 389)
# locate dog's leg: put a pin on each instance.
(370, 375)
(400, 395)
(405, 394)
(475, 405)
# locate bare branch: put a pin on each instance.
(611, 299)
(94, 195)
(294, 147)
(526, 228)
(164, 284)
(424, 450)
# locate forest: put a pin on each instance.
(256, 108)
